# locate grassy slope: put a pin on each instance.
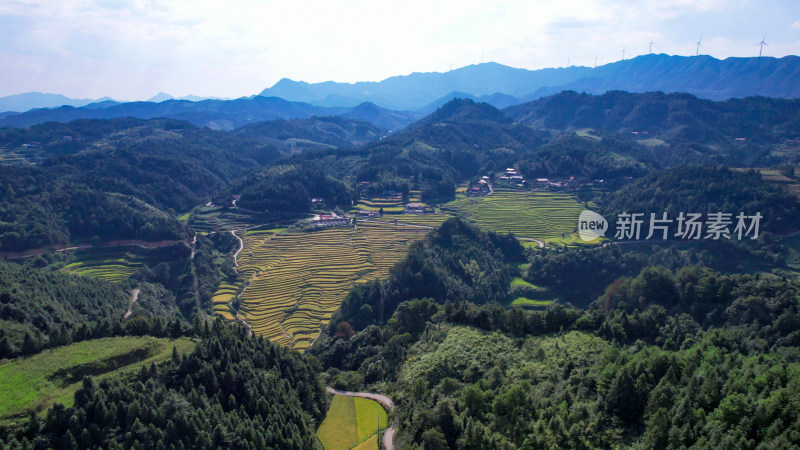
(29, 383)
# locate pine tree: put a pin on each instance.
(29, 345)
(6, 349)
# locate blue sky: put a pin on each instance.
(132, 49)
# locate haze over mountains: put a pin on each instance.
(398, 101)
(703, 76)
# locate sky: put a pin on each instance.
(130, 50)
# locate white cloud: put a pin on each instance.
(132, 49)
(796, 25)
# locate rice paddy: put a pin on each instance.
(425, 220)
(352, 422)
(207, 219)
(539, 215)
(111, 265)
(295, 281)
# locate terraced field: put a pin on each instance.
(426, 220)
(389, 205)
(295, 281)
(112, 265)
(538, 215)
(206, 219)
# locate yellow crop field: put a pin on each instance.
(295, 281)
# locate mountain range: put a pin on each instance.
(214, 114)
(398, 101)
(703, 76)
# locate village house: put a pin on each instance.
(329, 221)
(414, 208)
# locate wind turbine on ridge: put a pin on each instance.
(651, 46)
(697, 53)
(761, 45)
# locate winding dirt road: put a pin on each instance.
(134, 297)
(386, 402)
(235, 265)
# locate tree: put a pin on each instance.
(344, 331)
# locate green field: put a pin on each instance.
(109, 264)
(517, 281)
(295, 281)
(536, 215)
(528, 302)
(541, 297)
(351, 422)
(37, 382)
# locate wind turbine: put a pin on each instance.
(697, 53)
(623, 54)
(762, 44)
(651, 47)
(595, 62)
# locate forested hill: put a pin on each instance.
(673, 354)
(459, 140)
(114, 180)
(297, 135)
(232, 391)
(672, 117)
(705, 189)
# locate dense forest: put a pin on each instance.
(289, 188)
(661, 359)
(455, 262)
(232, 391)
(704, 190)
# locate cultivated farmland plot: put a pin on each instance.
(533, 215)
(111, 265)
(297, 280)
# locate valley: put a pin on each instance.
(437, 265)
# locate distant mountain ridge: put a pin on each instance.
(30, 100)
(19, 103)
(215, 114)
(703, 76)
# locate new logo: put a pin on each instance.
(591, 225)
